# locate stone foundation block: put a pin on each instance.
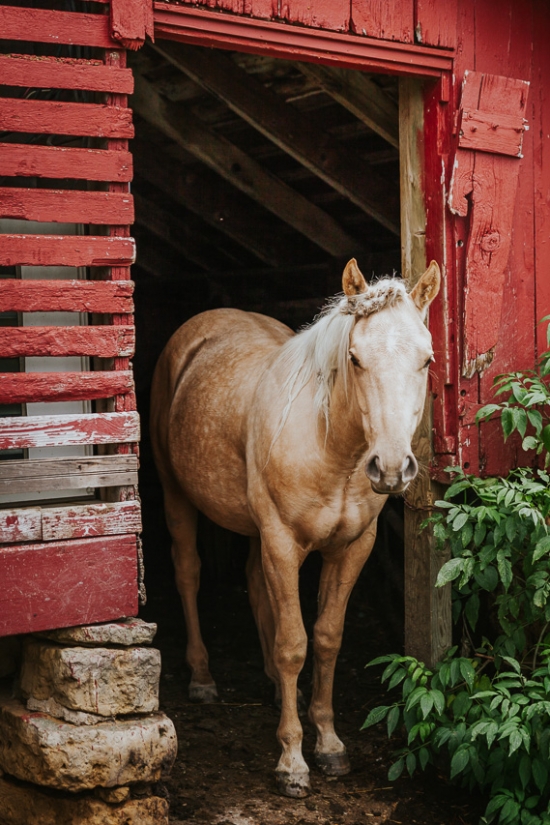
(101, 681)
(35, 747)
(24, 804)
(126, 632)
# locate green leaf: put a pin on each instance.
(393, 719)
(486, 412)
(514, 664)
(515, 741)
(376, 715)
(460, 521)
(525, 770)
(396, 770)
(397, 677)
(545, 435)
(505, 570)
(426, 704)
(438, 700)
(471, 610)
(542, 548)
(468, 672)
(535, 419)
(487, 579)
(423, 757)
(411, 763)
(459, 761)
(449, 572)
(540, 774)
(507, 421)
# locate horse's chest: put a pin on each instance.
(339, 519)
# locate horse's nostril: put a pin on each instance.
(372, 469)
(410, 468)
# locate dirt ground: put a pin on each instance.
(228, 751)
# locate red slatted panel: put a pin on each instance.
(66, 207)
(27, 387)
(45, 26)
(67, 583)
(323, 14)
(436, 23)
(63, 250)
(66, 296)
(63, 73)
(62, 430)
(103, 342)
(52, 117)
(65, 162)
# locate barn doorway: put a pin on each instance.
(255, 180)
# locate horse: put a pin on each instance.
(296, 441)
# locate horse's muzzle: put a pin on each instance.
(388, 480)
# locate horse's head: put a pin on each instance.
(390, 353)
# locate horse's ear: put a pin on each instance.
(427, 288)
(353, 282)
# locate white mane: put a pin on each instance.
(320, 351)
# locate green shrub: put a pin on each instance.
(489, 714)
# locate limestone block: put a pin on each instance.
(37, 748)
(53, 708)
(99, 680)
(25, 804)
(124, 632)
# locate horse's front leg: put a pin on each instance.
(339, 574)
(281, 561)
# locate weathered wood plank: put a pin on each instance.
(436, 23)
(242, 171)
(21, 524)
(54, 117)
(63, 73)
(102, 342)
(28, 387)
(69, 522)
(66, 250)
(288, 128)
(39, 474)
(66, 583)
(131, 21)
(380, 19)
(19, 159)
(66, 296)
(98, 519)
(360, 95)
(45, 26)
(66, 430)
(66, 206)
(323, 14)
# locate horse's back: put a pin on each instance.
(203, 389)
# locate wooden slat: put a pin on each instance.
(66, 206)
(242, 171)
(102, 342)
(29, 387)
(65, 250)
(40, 474)
(323, 14)
(45, 26)
(69, 522)
(63, 73)
(360, 95)
(67, 430)
(66, 583)
(289, 129)
(19, 159)
(54, 117)
(66, 296)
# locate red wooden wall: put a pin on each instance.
(75, 562)
(502, 39)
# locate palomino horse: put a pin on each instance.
(295, 441)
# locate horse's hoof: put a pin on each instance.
(333, 764)
(295, 785)
(206, 694)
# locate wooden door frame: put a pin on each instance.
(425, 124)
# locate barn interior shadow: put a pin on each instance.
(211, 232)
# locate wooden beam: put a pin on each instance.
(18, 432)
(40, 474)
(428, 624)
(216, 202)
(239, 169)
(69, 522)
(360, 95)
(289, 129)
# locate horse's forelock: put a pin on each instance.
(320, 351)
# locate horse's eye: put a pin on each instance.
(430, 360)
(354, 360)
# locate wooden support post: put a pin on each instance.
(427, 609)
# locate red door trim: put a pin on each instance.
(227, 31)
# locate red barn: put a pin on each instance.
(304, 133)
